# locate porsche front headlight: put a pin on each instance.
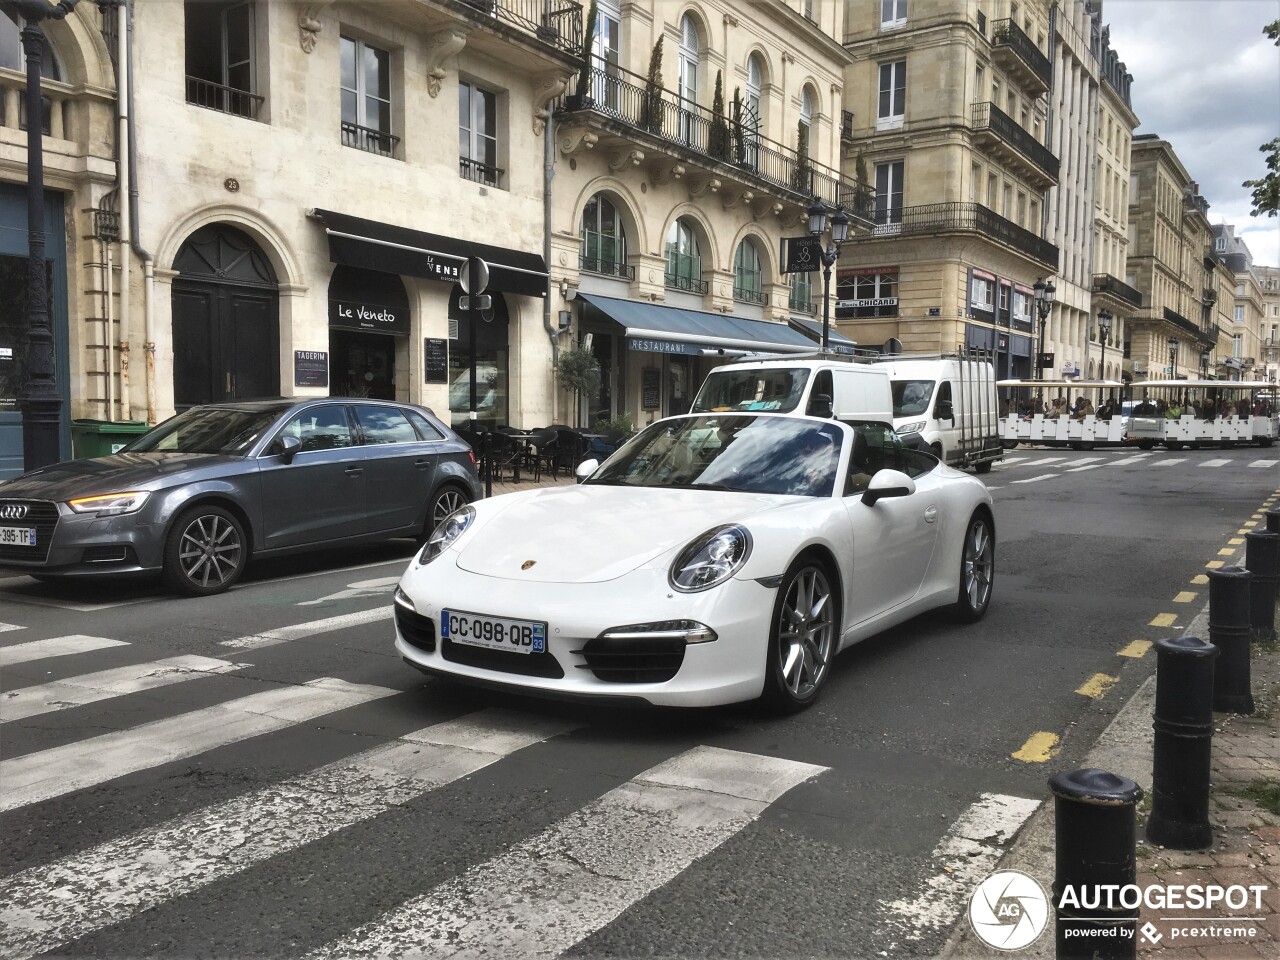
(711, 559)
(110, 504)
(449, 530)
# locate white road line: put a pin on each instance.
(1049, 460)
(966, 854)
(1010, 461)
(1264, 463)
(47, 906)
(1047, 476)
(1168, 462)
(1215, 463)
(553, 890)
(297, 630)
(54, 647)
(60, 770)
(1084, 460)
(6, 627)
(1134, 459)
(1094, 466)
(91, 687)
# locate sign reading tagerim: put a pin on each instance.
(310, 368)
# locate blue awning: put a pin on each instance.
(655, 328)
(836, 341)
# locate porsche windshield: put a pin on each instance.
(776, 390)
(783, 455)
(226, 430)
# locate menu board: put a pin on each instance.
(310, 368)
(651, 388)
(436, 360)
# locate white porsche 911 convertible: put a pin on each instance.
(712, 559)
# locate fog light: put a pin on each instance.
(690, 631)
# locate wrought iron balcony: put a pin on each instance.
(693, 284)
(606, 268)
(958, 217)
(479, 172)
(1105, 283)
(557, 23)
(995, 127)
(627, 106)
(1016, 52)
(224, 99)
(1178, 320)
(1208, 295)
(802, 306)
(368, 139)
(748, 295)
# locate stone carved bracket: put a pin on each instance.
(665, 169)
(576, 139)
(309, 24)
(441, 45)
(549, 86)
(619, 159)
(734, 198)
(707, 185)
(766, 207)
(792, 216)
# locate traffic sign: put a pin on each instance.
(482, 276)
(482, 302)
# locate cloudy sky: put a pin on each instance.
(1206, 79)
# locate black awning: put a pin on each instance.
(383, 246)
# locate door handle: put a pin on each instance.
(930, 514)
(354, 471)
(422, 464)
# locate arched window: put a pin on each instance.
(684, 258)
(604, 240)
(752, 106)
(748, 274)
(806, 119)
(13, 57)
(688, 78)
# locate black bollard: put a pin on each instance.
(486, 445)
(1273, 520)
(1262, 557)
(1095, 858)
(1183, 737)
(1229, 590)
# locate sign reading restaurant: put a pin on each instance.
(365, 316)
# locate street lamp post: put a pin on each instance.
(1104, 332)
(1204, 364)
(1044, 303)
(40, 403)
(1173, 358)
(839, 233)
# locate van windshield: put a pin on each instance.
(776, 390)
(911, 397)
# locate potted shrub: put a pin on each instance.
(578, 371)
(718, 138)
(581, 98)
(651, 105)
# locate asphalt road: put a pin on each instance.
(233, 806)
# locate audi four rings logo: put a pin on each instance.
(13, 511)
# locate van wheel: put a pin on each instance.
(983, 466)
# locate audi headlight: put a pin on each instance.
(917, 427)
(711, 559)
(449, 530)
(110, 504)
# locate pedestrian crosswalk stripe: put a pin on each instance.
(54, 647)
(46, 906)
(51, 773)
(1264, 463)
(1215, 463)
(1168, 462)
(550, 892)
(1047, 476)
(970, 849)
(1050, 460)
(296, 631)
(1138, 458)
(1094, 466)
(6, 627)
(27, 702)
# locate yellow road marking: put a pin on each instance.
(1243, 532)
(1186, 596)
(1199, 579)
(1235, 541)
(1226, 552)
(1164, 620)
(1096, 686)
(1136, 649)
(1039, 748)
(1215, 564)
(1250, 523)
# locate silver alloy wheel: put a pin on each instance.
(209, 550)
(806, 634)
(978, 564)
(447, 501)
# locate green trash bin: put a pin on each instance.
(101, 438)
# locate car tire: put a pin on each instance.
(443, 502)
(983, 466)
(804, 634)
(205, 552)
(977, 570)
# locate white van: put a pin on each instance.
(950, 401)
(818, 386)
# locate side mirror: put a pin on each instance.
(288, 447)
(888, 483)
(585, 469)
(945, 410)
(820, 406)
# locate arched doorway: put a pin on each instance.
(226, 320)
